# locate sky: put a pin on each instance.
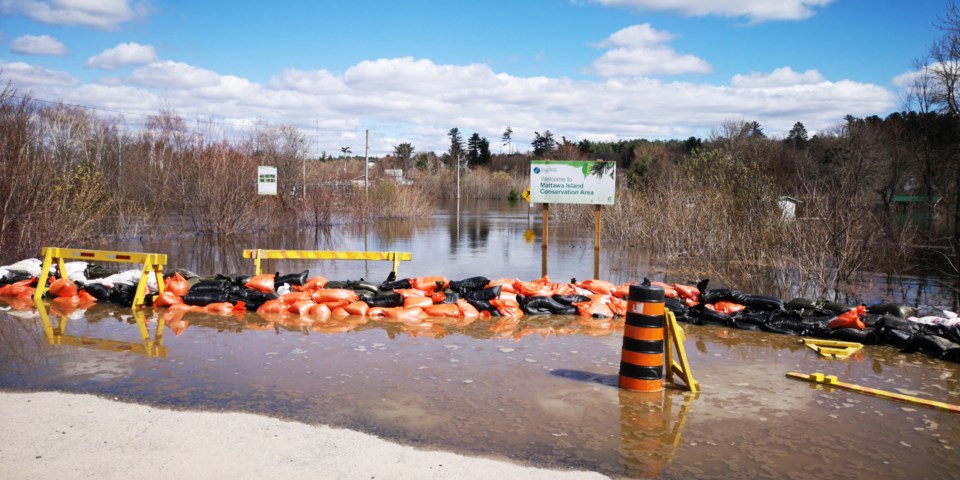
(409, 71)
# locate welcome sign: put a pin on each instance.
(573, 181)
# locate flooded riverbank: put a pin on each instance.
(538, 390)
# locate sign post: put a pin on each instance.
(573, 181)
(267, 186)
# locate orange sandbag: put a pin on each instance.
(339, 313)
(357, 308)
(177, 284)
(166, 299)
(430, 284)
(411, 302)
(505, 283)
(467, 310)
(507, 307)
(687, 292)
(668, 291)
(261, 283)
(375, 312)
(325, 295)
(294, 297)
(849, 319)
(300, 307)
(319, 312)
(726, 307)
(618, 306)
(17, 289)
(337, 304)
(63, 287)
(601, 287)
(403, 314)
(535, 288)
(85, 297)
(219, 308)
(594, 308)
(446, 310)
(272, 306)
(409, 292)
(438, 297)
(315, 283)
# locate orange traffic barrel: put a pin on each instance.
(641, 361)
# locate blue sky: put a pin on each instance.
(411, 70)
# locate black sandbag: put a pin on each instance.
(751, 320)
(711, 317)
(570, 299)
(866, 337)
(469, 284)
(486, 294)
(450, 297)
(937, 346)
(297, 279)
(784, 323)
(871, 320)
(801, 304)
(542, 305)
(722, 295)
(895, 309)
(122, 294)
(359, 286)
(897, 338)
(892, 321)
(816, 327)
(674, 305)
(836, 307)
(99, 291)
(363, 285)
(484, 306)
(214, 286)
(953, 333)
(391, 285)
(204, 298)
(762, 302)
(235, 279)
(391, 300)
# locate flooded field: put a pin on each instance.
(540, 390)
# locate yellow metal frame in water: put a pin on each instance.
(152, 262)
(833, 348)
(673, 349)
(831, 381)
(258, 255)
(149, 347)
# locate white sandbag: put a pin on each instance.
(76, 271)
(128, 277)
(29, 266)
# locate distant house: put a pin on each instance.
(788, 208)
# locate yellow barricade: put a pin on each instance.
(259, 254)
(152, 262)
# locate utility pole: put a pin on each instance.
(366, 166)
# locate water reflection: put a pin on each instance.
(150, 346)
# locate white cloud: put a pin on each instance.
(104, 14)
(38, 45)
(640, 50)
(418, 101)
(124, 54)
(754, 10)
(23, 75)
(173, 75)
(783, 76)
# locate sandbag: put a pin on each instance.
(540, 305)
(297, 279)
(484, 306)
(485, 294)
(866, 337)
(210, 286)
(122, 294)
(571, 299)
(204, 298)
(801, 304)
(389, 286)
(253, 299)
(264, 282)
(177, 284)
(63, 287)
(100, 292)
(762, 302)
(391, 300)
(451, 297)
(710, 317)
(836, 307)
(469, 284)
(723, 295)
(235, 279)
(894, 309)
(938, 347)
(750, 320)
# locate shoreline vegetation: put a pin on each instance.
(868, 192)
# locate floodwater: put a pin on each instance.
(540, 390)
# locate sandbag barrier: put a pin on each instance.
(600, 305)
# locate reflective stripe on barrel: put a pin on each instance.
(641, 361)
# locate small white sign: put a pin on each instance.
(266, 180)
(573, 181)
